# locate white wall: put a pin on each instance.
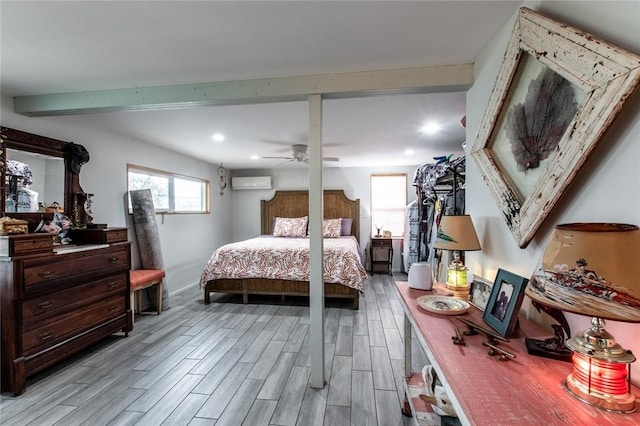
(606, 188)
(187, 241)
(355, 181)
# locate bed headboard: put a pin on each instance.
(296, 204)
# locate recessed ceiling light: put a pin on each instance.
(218, 137)
(408, 152)
(430, 128)
(255, 157)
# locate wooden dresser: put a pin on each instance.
(56, 302)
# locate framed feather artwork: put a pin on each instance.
(557, 92)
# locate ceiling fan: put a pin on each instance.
(299, 154)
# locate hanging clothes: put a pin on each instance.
(411, 246)
(440, 187)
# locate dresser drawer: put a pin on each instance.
(380, 242)
(99, 236)
(25, 244)
(60, 327)
(39, 309)
(73, 265)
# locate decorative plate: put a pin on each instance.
(443, 305)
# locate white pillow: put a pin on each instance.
(331, 228)
(290, 227)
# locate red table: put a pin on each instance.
(484, 391)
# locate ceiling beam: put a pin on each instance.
(449, 78)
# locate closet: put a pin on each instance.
(440, 190)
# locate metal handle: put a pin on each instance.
(46, 274)
(113, 285)
(45, 336)
(45, 305)
(113, 259)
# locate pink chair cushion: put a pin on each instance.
(140, 278)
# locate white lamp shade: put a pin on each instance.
(456, 233)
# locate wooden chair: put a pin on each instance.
(145, 278)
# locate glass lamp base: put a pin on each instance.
(624, 403)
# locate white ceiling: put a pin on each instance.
(56, 47)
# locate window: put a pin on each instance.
(388, 203)
(172, 193)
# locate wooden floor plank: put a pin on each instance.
(274, 383)
(376, 334)
(294, 342)
(164, 385)
(361, 353)
(363, 404)
(217, 373)
(394, 343)
(219, 399)
(215, 355)
(114, 408)
(381, 367)
(340, 382)
(313, 407)
(238, 407)
(260, 412)
(267, 360)
(344, 340)
(102, 398)
(335, 415)
(388, 408)
(289, 403)
(24, 417)
(185, 411)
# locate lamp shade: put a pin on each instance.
(591, 269)
(456, 233)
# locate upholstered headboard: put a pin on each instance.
(296, 204)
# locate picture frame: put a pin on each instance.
(527, 167)
(507, 292)
(479, 292)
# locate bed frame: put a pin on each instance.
(293, 204)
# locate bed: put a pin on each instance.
(229, 271)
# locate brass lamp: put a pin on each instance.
(456, 233)
(592, 269)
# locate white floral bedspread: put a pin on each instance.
(286, 259)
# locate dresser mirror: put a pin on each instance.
(36, 172)
(38, 178)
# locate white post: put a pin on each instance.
(316, 208)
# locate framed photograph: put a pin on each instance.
(528, 154)
(501, 311)
(479, 292)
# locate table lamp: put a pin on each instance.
(456, 233)
(593, 269)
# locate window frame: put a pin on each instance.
(403, 210)
(206, 190)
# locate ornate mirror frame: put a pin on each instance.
(23, 141)
(601, 75)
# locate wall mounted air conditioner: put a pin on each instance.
(253, 182)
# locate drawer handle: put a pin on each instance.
(45, 336)
(113, 285)
(46, 274)
(112, 309)
(113, 259)
(45, 305)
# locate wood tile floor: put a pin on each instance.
(231, 364)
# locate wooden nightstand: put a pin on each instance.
(381, 253)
